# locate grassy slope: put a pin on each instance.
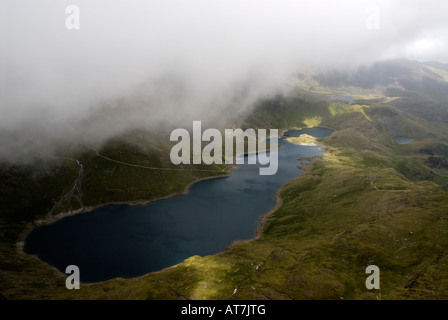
(28, 194)
(368, 202)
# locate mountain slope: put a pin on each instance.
(368, 201)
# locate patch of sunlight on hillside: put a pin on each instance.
(337, 109)
(212, 273)
(303, 139)
(440, 72)
(313, 122)
(360, 109)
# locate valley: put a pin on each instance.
(368, 200)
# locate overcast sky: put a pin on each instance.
(177, 57)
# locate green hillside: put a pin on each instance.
(367, 201)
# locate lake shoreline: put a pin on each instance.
(51, 219)
(279, 199)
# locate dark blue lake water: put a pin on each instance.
(128, 241)
(403, 140)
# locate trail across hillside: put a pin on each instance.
(146, 167)
(76, 186)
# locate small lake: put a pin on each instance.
(403, 140)
(129, 241)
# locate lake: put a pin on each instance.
(129, 241)
(403, 140)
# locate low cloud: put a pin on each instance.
(140, 64)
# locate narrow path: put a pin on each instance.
(371, 183)
(372, 179)
(76, 187)
(437, 174)
(146, 167)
